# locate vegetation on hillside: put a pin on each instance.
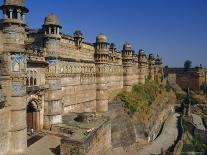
(204, 88)
(144, 100)
(141, 95)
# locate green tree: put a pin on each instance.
(187, 65)
(204, 88)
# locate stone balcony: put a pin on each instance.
(21, 22)
(36, 88)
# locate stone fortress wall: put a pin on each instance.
(46, 74)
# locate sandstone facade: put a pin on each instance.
(45, 74)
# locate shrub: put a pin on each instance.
(142, 95)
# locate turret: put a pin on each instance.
(51, 29)
(101, 60)
(127, 59)
(51, 26)
(158, 69)
(14, 12)
(142, 66)
(53, 97)
(78, 38)
(151, 64)
(13, 71)
(127, 54)
(112, 53)
(101, 49)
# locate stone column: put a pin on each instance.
(18, 128)
(10, 13)
(49, 30)
(58, 31)
(23, 17)
(19, 14)
(53, 103)
(102, 97)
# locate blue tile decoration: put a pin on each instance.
(55, 85)
(17, 57)
(52, 62)
(18, 89)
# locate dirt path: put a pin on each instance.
(165, 140)
(48, 145)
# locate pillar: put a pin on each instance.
(10, 13)
(53, 103)
(19, 14)
(102, 97)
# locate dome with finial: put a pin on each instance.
(78, 34)
(141, 52)
(158, 60)
(101, 38)
(52, 19)
(113, 46)
(151, 57)
(17, 3)
(127, 46)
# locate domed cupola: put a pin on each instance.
(101, 38)
(151, 59)
(101, 48)
(127, 53)
(142, 58)
(158, 60)
(78, 38)
(14, 12)
(113, 48)
(52, 26)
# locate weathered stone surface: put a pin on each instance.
(45, 74)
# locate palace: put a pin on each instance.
(48, 78)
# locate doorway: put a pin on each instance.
(33, 116)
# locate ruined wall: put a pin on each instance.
(188, 80)
(97, 142)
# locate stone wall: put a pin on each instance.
(4, 131)
(98, 142)
(192, 78)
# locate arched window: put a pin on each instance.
(35, 81)
(15, 66)
(14, 14)
(27, 82)
(31, 81)
(52, 30)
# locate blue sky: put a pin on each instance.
(176, 29)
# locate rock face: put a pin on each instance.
(122, 128)
(125, 131)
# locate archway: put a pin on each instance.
(33, 115)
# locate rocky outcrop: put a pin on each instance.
(122, 128)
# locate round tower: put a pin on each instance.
(53, 97)
(14, 70)
(151, 64)
(51, 29)
(127, 59)
(158, 69)
(101, 61)
(78, 38)
(142, 66)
